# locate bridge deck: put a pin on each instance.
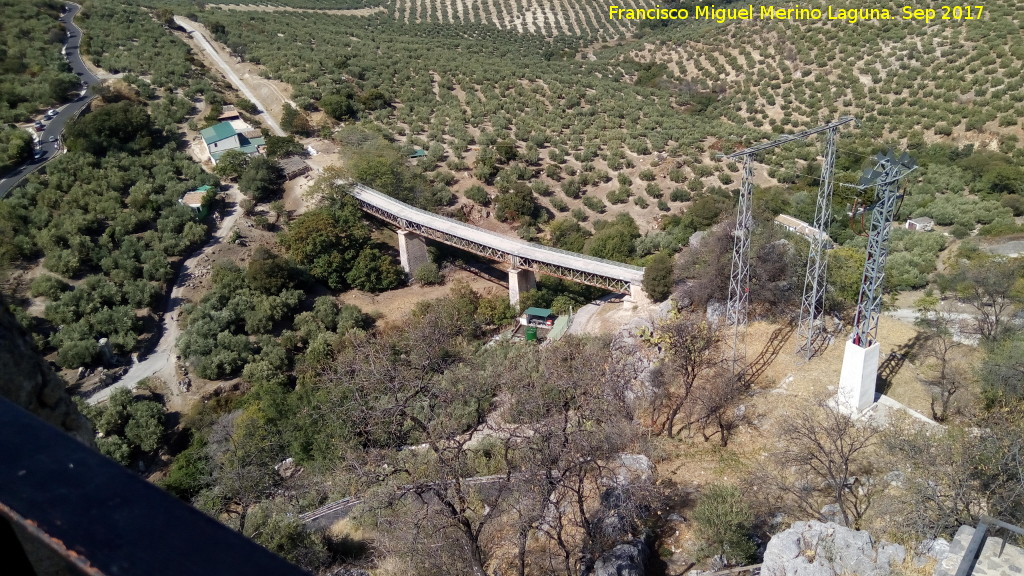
(518, 252)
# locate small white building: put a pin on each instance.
(922, 224)
(800, 227)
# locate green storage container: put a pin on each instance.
(531, 333)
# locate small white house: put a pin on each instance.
(922, 224)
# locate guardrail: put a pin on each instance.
(64, 508)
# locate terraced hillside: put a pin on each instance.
(583, 18)
(601, 117)
(947, 77)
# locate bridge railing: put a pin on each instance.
(512, 241)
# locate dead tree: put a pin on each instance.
(695, 351)
(823, 458)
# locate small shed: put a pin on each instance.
(293, 166)
(537, 317)
(418, 153)
(229, 112)
(922, 224)
(198, 200)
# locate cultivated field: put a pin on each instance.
(583, 18)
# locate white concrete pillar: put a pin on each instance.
(638, 297)
(857, 379)
(519, 281)
(412, 251)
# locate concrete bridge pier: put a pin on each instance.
(638, 297)
(412, 251)
(520, 280)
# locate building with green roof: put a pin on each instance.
(221, 138)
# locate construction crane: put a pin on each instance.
(812, 304)
(860, 360)
(739, 276)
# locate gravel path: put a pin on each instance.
(198, 33)
(161, 362)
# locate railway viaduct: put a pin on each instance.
(525, 259)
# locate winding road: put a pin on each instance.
(65, 113)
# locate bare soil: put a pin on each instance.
(394, 307)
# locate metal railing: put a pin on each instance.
(64, 508)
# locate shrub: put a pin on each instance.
(428, 274)
(594, 204)
(495, 310)
(444, 177)
(658, 277)
(375, 272)
(77, 353)
(517, 204)
(478, 194)
(680, 195)
(246, 105)
(49, 286)
(724, 522)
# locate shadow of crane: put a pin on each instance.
(892, 364)
(751, 372)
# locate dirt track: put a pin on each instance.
(270, 99)
(161, 362)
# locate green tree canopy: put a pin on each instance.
(121, 126)
(374, 271)
(658, 274)
(327, 241)
(261, 179)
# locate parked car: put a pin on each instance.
(39, 154)
(53, 138)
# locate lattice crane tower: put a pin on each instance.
(739, 276)
(813, 302)
(860, 361)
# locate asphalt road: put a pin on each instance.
(55, 127)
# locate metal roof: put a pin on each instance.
(217, 132)
(542, 312)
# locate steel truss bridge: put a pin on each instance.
(599, 272)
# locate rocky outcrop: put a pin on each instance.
(29, 382)
(827, 549)
(627, 559)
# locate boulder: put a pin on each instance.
(626, 559)
(826, 549)
(632, 468)
(931, 551)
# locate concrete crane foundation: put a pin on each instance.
(857, 379)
